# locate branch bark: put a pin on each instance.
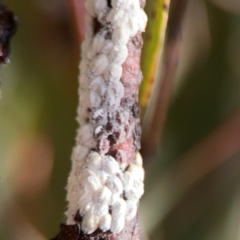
(106, 181)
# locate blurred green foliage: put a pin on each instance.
(37, 126)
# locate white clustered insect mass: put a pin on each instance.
(105, 192)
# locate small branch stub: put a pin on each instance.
(106, 180)
(8, 27)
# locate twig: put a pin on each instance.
(157, 11)
(79, 13)
(170, 63)
(106, 180)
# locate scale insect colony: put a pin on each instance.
(104, 188)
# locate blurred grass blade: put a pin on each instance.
(208, 155)
(157, 11)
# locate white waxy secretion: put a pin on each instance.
(131, 210)
(99, 64)
(108, 45)
(85, 134)
(105, 222)
(117, 225)
(90, 222)
(118, 54)
(102, 185)
(99, 6)
(103, 189)
(104, 195)
(115, 185)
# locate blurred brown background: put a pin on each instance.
(192, 186)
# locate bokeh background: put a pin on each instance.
(192, 185)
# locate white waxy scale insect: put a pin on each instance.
(72, 185)
(100, 209)
(99, 6)
(102, 16)
(84, 207)
(72, 195)
(110, 165)
(120, 3)
(116, 89)
(133, 25)
(138, 186)
(115, 16)
(115, 74)
(84, 83)
(142, 24)
(105, 222)
(90, 222)
(119, 209)
(86, 172)
(131, 210)
(91, 54)
(107, 47)
(137, 172)
(79, 152)
(131, 195)
(84, 100)
(103, 195)
(83, 67)
(95, 99)
(94, 159)
(136, 192)
(82, 116)
(115, 197)
(117, 224)
(127, 180)
(118, 54)
(93, 183)
(120, 35)
(103, 176)
(84, 48)
(114, 184)
(98, 43)
(99, 64)
(85, 136)
(98, 86)
(134, 7)
(77, 170)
